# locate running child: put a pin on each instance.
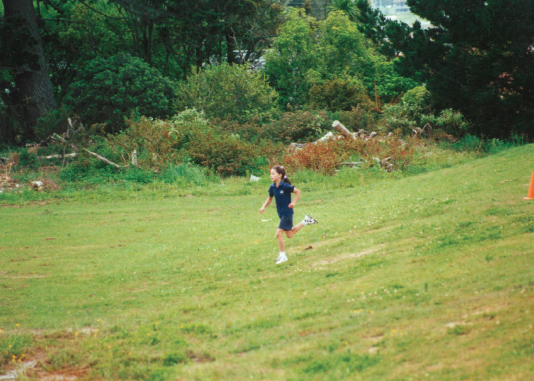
(281, 190)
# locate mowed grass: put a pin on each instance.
(426, 277)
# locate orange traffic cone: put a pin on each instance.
(531, 189)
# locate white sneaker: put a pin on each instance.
(308, 220)
(281, 259)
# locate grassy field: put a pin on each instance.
(425, 277)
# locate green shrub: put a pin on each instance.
(157, 142)
(189, 125)
(298, 127)
(355, 119)
(161, 144)
(138, 175)
(403, 116)
(418, 96)
(53, 122)
(108, 90)
(228, 92)
(492, 146)
(450, 121)
(88, 169)
(468, 143)
(288, 127)
(27, 159)
(252, 130)
(187, 174)
(225, 154)
(338, 94)
(382, 80)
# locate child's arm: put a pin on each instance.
(297, 195)
(267, 202)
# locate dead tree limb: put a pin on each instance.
(57, 156)
(100, 157)
(342, 130)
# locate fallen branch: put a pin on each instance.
(342, 130)
(57, 156)
(100, 157)
(352, 163)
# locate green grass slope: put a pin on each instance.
(427, 277)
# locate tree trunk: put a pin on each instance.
(33, 95)
(230, 45)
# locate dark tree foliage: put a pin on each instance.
(478, 57)
(109, 90)
(211, 31)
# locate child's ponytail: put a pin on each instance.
(281, 171)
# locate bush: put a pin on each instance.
(186, 174)
(252, 131)
(228, 92)
(108, 90)
(297, 127)
(27, 159)
(87, 168)
(355, 119)
(327, 156)
(419, 96)
(338, 94)
(450, 121)
(400, 152)
(226, 154)
(468, 143)
(157, 142)
(403, 116)
(324, 158)
(473, 143)
(161, 144)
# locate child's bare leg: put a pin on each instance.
(294, 231)
(280, 238)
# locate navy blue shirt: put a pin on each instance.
(282, 195)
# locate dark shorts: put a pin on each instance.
(286, 223)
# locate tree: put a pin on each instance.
(477, 58)
(310, 53)
(347, 6)
(293, 59)
(32, 95)
(109, 90)
(227, 92)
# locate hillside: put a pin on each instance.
(427, 277)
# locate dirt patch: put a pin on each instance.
(199, 357)
(20, 370)
(454, 324)
(67, 374)
(344, 257)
